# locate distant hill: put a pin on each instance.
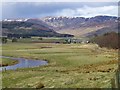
(29, 28)
(61, 26)
(80, 26)
(112, 28)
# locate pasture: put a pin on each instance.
(7, 62)
(69, 66)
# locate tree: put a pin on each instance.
(68, 41)
(40, 38)
(109, 40)
(14, 40)
(4, 40)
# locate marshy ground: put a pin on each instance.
(70, 66)
(7, 62)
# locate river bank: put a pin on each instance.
(16, 63)
(70, 66)
(7, 62)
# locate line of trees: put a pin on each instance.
(5, 40)
(109, 40)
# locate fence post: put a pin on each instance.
(118, 79)
(115, 82)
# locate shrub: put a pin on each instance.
(39, 85)
(14, 40)
(109, 40)
(4, 40)
(40, 38)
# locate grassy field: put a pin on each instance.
(70, 66)
(40, 40)
(7, 62)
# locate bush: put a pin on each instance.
(40, 38)
(14, 40)
(109, 40)
(39, 85)
(4, 40)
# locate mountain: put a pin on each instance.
(61, 26)
(102, 31)
(28, 27)
(80, 26)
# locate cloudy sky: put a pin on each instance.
(43, 9)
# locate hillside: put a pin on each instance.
(28, 28)
(109, 40)
(62, 26)
(112, 28)
(80, 26)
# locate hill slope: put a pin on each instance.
(53, 26)
(80, 26)
(28, 28)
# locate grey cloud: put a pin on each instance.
(24, 10)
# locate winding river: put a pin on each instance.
(23, 63)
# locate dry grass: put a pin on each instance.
(70, 66)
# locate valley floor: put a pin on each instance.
(70, 66)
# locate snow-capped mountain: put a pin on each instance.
(19, 20)
(81, 26)
(78, 26)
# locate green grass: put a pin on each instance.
(7, 62)
(70, 65)
(44, 40)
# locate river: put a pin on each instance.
(23, 63)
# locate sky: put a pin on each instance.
(60, 0)
(38, 9)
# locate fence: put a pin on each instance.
(115, 82)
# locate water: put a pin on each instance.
(23, 63)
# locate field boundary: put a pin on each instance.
(115, 82)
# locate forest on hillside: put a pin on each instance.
(109, 40)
